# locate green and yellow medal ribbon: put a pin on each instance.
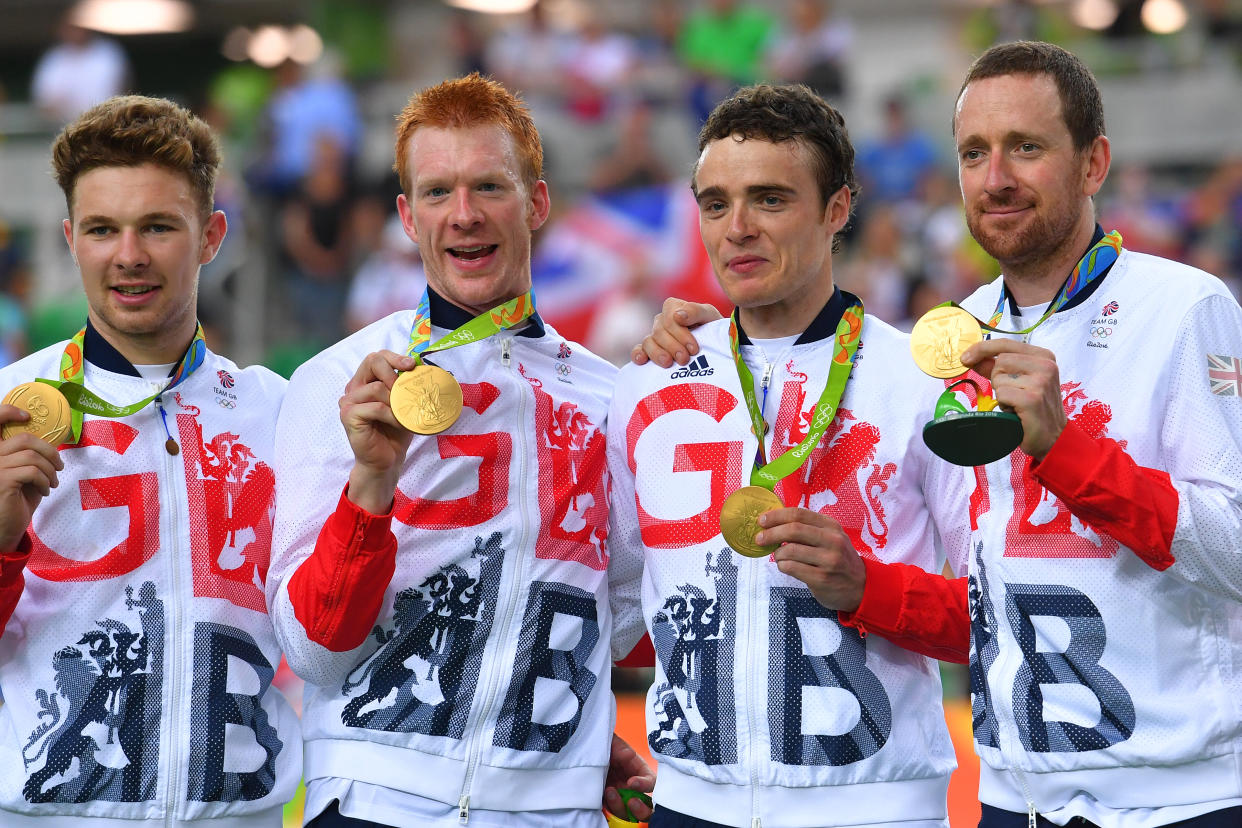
(499, 318)
(848, 336)
(72, 381)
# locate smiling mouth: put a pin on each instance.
(470, 254)
(133, 290)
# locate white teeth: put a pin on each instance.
(475, 249)
(133, 291)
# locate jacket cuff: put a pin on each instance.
(1063, 465)
(881, 605)
(337, 592)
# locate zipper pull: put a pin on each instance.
(170, 445)
(767, 376)
(756, 823)
(463, 806)
(504, 352)
(1030, 815)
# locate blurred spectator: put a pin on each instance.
(236, 98)
(875, 272)
(1214, 220)
(598, 68)
(528, 56)
(468, 44)
(317, 243)
(308, 102)
(358, 32)
(892, 168)
(1148, 224)
(391, 277)
(813, 48)
(81, 70)
(633, 160)
(939, 234)
(658, 72)
(723, 44)
(14, 296)
(625, 314)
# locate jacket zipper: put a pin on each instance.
(172, 634)
(511, 600)
(749, 700)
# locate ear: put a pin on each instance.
(67, 224)
(540, 204)
(1098, 156)
(837, 213)
(213, 236)
(407, 217)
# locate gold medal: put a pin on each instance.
(739, 519)
(426, 400)
(939, 339)
(48, 408)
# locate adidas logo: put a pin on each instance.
(698, 367)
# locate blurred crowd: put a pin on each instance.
(618, 105)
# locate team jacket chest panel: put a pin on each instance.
(757, 683)
(144, 594)
(1066, 622)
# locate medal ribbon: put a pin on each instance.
(1089, 268)
(497, 319)
(73, 374)
(849, 331)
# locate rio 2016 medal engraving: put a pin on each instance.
(426, 400)
(49, 412)
(739, 519)
(940, 337)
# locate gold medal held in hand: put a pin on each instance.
(426, 400)
(939, 339)
(49, 412)
(739, 519)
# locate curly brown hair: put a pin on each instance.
(466, 102)
(131, 130)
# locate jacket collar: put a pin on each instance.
(446, 315)
(823, 326)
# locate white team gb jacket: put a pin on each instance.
(486, 679)
(1103, 675)
(137, 666)
(765, 709)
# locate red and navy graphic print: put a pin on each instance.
(422, 676)
(694, 634)
(101, 731)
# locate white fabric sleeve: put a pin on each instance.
(1201, 448)
(626, 554)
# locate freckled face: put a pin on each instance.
(471, 214)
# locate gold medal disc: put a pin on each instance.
(426, 400)
(49, 412)
(739, 519)
(939, 339)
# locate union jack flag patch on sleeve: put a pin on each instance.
(1225, 375)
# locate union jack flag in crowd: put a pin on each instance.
(1225, 374)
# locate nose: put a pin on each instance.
(741, 228)
(465, 212)
(131, 254)
(999, 174)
